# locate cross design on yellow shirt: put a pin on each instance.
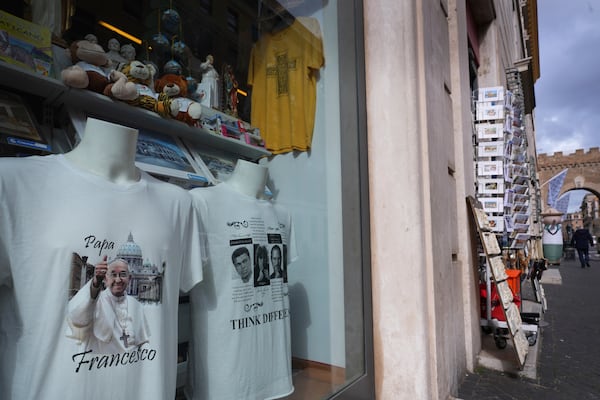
(280, 70)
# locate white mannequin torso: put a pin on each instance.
(248, 178)
(107, 150)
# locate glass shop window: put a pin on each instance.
(281, 310)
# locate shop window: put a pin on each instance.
(232, 21)
(205, 6)
(279, 89)
(134, 8)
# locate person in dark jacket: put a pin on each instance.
(581, 240)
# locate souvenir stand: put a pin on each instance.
(502, 212)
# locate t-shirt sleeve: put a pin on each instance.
(314, 48)
(293, 249)
(285, 216)
(4, 265)
(5, 275)
(193, 253)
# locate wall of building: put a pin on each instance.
(398, 191)
(416, 102)
(446, 274)
(500, 45)
(464, 174)
(426, 324)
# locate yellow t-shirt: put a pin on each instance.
(282, 75)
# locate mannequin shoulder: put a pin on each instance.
(18, 166)
(168, 190)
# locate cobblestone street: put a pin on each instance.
(568, 358)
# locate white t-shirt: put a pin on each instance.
(56, 223)
(240, 346)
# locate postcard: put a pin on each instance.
(16, 118)
(488, 168)
(490, 186)
(489, 131)
(496, 223)
(163, 154)
(218, 165)
(492, 204)
(490, 149)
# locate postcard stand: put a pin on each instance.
(522, 335)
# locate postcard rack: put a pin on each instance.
(502, 164)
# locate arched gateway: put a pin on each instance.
(583, 171)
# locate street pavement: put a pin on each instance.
(567, 352)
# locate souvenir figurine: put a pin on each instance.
(115, 58)
(175, 87)
(209, 85)
(231, 86)
(128, 52)
(140, 77)
(87, 71)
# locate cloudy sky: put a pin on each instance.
(567, 114)
(567, 94)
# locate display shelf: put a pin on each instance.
(16, 78)
(102, 107)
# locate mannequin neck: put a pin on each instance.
(249, 179)
(107, 150)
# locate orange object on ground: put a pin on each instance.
(514, 281)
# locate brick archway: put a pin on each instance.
(583, 174)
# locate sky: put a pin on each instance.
(567, 94)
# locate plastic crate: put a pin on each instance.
(514, 281)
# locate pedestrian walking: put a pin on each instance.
(582, 239)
